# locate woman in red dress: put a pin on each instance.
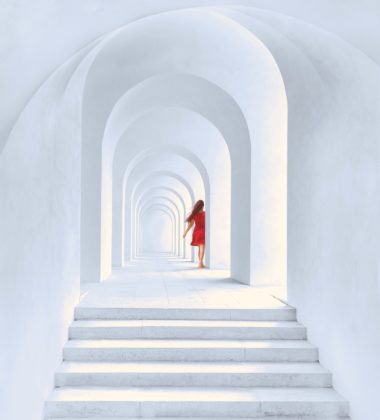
(197, 218)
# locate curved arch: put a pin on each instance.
(177, 151)
(124, 253)
(147, 199)
(183, 90)
(302, 174)
(156, 165)
(173, 175)
(217, 255)
(174, 222)
(136, 199)
(139, 246)
(272, 82)
(156, 176)
(159, 187)
(174, 230)
(78, 78)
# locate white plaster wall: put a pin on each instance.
(334, 207)
(173, 90)
(39, 248)
(156, 231)
(141, 197)
(168, 235)
(173, 182)
(153, 199)
(333, 211)
(157, 162)
(261, 100)
(161, 180)
(163, 203)
(176, 127)
(31, 32)
(333, 204)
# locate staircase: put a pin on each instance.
(191, 363)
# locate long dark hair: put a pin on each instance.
(198, 206)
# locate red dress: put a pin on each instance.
(199, 230)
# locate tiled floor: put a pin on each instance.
(173, 283)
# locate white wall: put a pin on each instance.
(334, 207)
(157, 235)
(156, 163)
(149, 197)
(333, 202)
(185, 134)
(39, 249)
(40, 35)
(258, 97)
(170, 187)
(163, 181)
(333, 197)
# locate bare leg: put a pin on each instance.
(201, 254)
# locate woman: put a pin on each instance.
(197, 218)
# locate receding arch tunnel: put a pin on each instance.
(273, 120)
(128, 117)
(204, 91)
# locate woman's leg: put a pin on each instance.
(201, 254)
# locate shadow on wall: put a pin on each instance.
(232, 71)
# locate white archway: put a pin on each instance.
(169, 193)
(150, 245)
(148, 167)
(148, 199)
(270, 83)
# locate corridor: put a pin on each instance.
(163, 281)
(161, 338)
(135, 131)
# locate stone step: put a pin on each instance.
(190, 350)
(205, 374)
(188, 329)
(202, 418)
(282, 313)
(194, 402)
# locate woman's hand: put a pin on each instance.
(189, 226)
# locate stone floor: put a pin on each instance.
(170, 282)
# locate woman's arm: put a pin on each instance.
(189, 226)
